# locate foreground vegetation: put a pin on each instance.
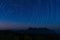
(28, 37)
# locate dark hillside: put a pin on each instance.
(29, 34)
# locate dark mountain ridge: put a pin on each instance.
(30, 31)
(35, 31)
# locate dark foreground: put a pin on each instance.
(27, 35)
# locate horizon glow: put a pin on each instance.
(35, 13)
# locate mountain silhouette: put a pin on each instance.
(39, 31)
(30, 31)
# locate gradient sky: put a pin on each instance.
(29, 13)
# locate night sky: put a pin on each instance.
(26, 13)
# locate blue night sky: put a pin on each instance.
(35, 13)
